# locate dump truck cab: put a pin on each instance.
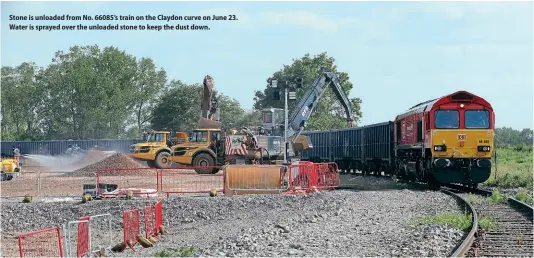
(9, 168)
(155, 142)
(204, 148)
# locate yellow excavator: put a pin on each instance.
(201, 148)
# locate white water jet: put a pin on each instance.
(64, 163)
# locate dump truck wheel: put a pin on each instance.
(204, 160)
(162, 160)
(151, 163)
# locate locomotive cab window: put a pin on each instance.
(447, 119)
(477, 119)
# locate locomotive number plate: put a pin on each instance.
(462, 137)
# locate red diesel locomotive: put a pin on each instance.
(440, 141)
(446, 140)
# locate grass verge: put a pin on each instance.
(487, 223)
(523, 196)
(173, 252)
(455, 220)
(495, 198)
(513, 168)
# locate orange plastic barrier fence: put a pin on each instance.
(159, 215)
(131, 227)
(82, 248)
(185, 180)
(149, 216)
(327, 175)
(142, 182)
(306, 176)
(41, 243)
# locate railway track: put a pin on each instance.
(511, 235)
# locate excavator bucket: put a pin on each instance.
(206, 100)
(205, 123)
(302, 143)
(253, 179)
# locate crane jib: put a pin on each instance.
(308, 103)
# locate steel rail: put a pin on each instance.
(466, 245)
(462, 249)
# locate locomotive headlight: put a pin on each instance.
(440, 148)
(483, 148)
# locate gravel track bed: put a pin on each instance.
(337, 223)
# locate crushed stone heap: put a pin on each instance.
(113, 166)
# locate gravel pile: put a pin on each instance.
(337, 223)
(113, 165)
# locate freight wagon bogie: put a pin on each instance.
(348, 166)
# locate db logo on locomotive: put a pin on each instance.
(462, 137)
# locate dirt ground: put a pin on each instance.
(10, 246)
(55, 184)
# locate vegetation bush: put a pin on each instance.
(513, 168)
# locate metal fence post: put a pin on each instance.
(38, 184)
(63, 239)
(68, 243)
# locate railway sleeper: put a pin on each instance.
(506, 247)
(506, 251)
(509, 232)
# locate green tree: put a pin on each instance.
(85, 92)
(507, 136)
(20, 100)
(329, 114)
(251, 118)
(149, 86)
(90, 91)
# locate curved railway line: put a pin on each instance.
(512, 236)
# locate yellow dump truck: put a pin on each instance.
(10, 168)
(198, 149)
(155, 150)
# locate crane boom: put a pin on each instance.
(306, 106)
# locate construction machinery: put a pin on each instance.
(208, 147)
(270, 138)
(156, 147)
(196, 149)
(74, 150)
(10, 168)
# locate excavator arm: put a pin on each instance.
(306, 106)
(210, 106)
